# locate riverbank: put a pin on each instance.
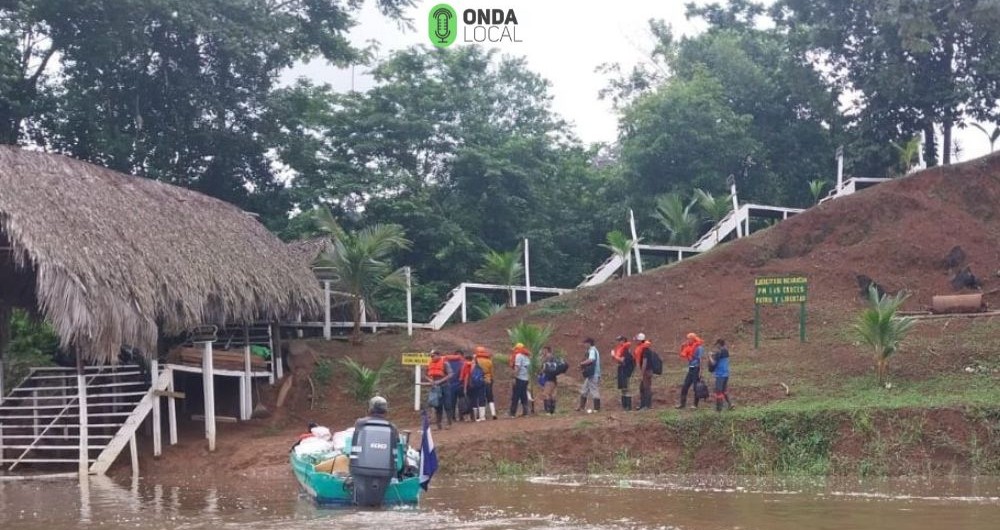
(804, 407)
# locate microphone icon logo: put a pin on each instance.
(442, 25)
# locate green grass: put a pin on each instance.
(799, 435)
(518, 469)
(552, 307)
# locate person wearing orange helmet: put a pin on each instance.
(521, 363)
(691, 351)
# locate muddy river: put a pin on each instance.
(542, 502)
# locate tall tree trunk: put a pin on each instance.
(930, 146)
(356, 309)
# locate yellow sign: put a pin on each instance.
(416, 359)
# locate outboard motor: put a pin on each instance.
(373, 461)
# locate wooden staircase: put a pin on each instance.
(40, 421)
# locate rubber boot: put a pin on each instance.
(627, 402)
(623, 403)
(482, 414)
(583, 404)
(552, 406)
(597, 404)
(718, 405)
(493, 410)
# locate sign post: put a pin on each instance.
(416, 360)
(778, 290)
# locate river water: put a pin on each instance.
(683, 502)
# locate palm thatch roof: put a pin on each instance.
(308, 251)
(114, 259)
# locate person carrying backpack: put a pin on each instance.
(626, 366)
(550, 372)
(591, 368)
(718, 364)
(691, 351)
(641, 359)
(454, 391)
(475, 387)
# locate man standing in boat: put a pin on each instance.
(378, 407)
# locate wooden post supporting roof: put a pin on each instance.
(208, 385)
(81, 389)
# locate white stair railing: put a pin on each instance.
(452, 304)
(131, 424)
(604, 272)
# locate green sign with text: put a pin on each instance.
(781, 290)
(777, 290)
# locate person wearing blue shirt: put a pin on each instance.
(719, 366)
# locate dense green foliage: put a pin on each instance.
(460, 147)
(31, 344)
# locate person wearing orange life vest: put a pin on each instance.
(691, 351)
(485, 361)
(623, 358)
(439, 375)
(468, 408)
(646, 372)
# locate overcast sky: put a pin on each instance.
(562, 41)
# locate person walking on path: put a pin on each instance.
(718, 364)
(691, 351)
(550, 372)
(591, 367)
(626, 366)
(522, 364)
(485, 361)
(646, 371)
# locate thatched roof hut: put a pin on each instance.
(112, 259)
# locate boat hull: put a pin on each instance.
(328, 489)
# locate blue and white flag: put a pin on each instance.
(428, 454)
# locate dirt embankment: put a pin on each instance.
(897, 233)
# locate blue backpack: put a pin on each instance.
(477, 379)
(456, 368)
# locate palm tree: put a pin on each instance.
(620, 245)
(714, 208)
(816, 189)
(503, 268)
(359, 261)
(991, 136)
(909, 154)
(363, 382)
(533, 337)
(880, 328)
(677, 218)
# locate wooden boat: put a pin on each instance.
(330, 483)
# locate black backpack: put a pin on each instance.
(628, 364)
(561, 366)
(701, 389)
(654, 362)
